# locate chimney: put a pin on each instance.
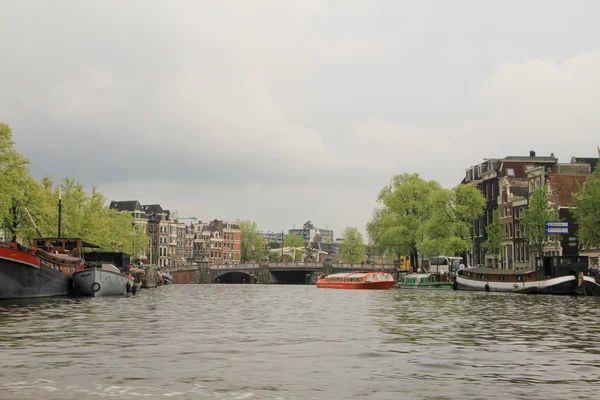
(531, 153)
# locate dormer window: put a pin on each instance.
(510, 172)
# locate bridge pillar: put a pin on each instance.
(264, 275)
(204, 275)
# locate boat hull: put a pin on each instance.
(24, 280)
(97, 282)
(379, 285)
(564, 285)
(431, 285)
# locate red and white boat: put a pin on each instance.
(357, 280)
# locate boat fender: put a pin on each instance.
(580, 279)
(128, 288)
(487, 287)
(134, 290)
(94, 287)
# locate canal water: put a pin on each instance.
(237, 342)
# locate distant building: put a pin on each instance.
(269, 236)
(311, 234)
(220, 241)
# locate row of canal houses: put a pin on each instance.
(173, 243)
(507, 184)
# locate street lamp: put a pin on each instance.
(133, 239)
(369, 259)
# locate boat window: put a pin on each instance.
(70, 245)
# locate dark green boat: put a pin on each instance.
(425, 281)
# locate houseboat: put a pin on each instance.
(567, 275)
(357, 280)
(42, 270)
(107, 273)
(425, 281)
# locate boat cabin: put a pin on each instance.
(497, 275)
(118, 259)
(69, 246)
(554, 267)
(420, 279)
(359, 277)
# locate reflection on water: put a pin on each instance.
(299, 342)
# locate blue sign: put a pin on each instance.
(558, 227)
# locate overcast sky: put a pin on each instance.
(286, 111)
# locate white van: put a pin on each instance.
(443, 264)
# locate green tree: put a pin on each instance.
(16, 185)
(352, 248)
(534, 218)
(294, 240)
(495, 236)
(399, 223)
(587, 214)
(275, 256)
(251, 238)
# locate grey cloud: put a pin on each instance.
(320, 98)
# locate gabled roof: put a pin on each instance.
(129, 205)
(152, 208)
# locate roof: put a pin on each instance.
(496, 271)
(353, 274)
(419, 276)
(539, 159)
(152, 208)
(592, 161)
(128, 205)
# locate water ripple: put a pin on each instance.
(299, 342)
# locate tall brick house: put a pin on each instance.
(487, 177)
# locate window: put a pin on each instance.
(510, 172)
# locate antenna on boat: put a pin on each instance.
(33, 222)
(59, 207)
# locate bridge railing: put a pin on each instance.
(372, 267)
(235, 266)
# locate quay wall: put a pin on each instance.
(185, 275)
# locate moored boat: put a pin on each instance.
(425, 281)
(167, 278)
(566, 275)
(43, 270)
(102, 280)
(357, 280)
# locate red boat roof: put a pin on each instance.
(353, 274)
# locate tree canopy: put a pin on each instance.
(85, 213)
(587, 201)
(251, 238)
(495, 235)
(293, 240)
(418, 216)
(352, 248)
(534, 218)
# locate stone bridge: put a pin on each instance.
(298, 273)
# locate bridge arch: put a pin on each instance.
(234, 277)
